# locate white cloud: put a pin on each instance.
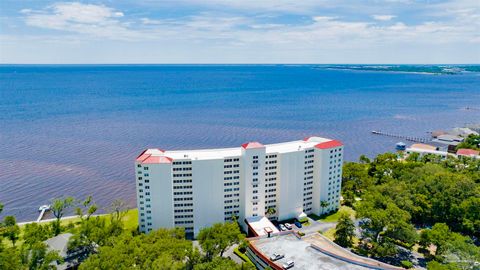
(236, 33)
(97, 20)
(323, 18)
(383, 17)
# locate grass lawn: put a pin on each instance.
(329, 234)
(335, 216)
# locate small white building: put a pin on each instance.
(197, 188)
(423, 149)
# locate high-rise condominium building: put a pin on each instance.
(197, 188)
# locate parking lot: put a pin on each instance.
(304, 256)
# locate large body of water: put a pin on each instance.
(76, 130)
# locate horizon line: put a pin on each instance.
(224, 64)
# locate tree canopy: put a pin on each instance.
(394, 197)
(344, 231)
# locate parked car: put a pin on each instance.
(288, 225)
(298, 224)
(288, 265)
(282, 227)
(276, 256)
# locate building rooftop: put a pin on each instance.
(261, 225)
(423, 146)
(303, 255)
(204, 154)
(449, 138)
(59, 243)
(467, 152)
(313, 252)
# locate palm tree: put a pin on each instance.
(324, 204)
(271, 211)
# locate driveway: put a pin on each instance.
(316, 226)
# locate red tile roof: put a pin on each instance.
(144, 155)
(157, 160)
(329, 144)
(467, 152)
(251, 145)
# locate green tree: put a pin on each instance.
(384, 224)
(59, 206)
(471, 142)
(10, 259)
(34, 233)
(439, 236)
(118, 209)
(216, 239)
(344, 231)
(364, 159)
(323, 205)
(11, 229)
(161, 249)
(355, 179)
(451, 247)
(271, 211)
(413, 157)
(38, 257)
(469, 212)
(90, 207)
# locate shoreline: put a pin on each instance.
(53, 219)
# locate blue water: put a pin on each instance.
(75, 130)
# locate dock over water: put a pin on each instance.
(408, 138)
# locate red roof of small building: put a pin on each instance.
(251, 145)
(468, 152)
(329, 144)
(157, 160)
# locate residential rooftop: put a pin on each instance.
(261, 225)
(220, 153)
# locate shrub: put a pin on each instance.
(406, 264)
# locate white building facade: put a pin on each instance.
(197, 188)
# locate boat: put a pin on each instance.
(400, 146)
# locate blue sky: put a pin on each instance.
(240, 31)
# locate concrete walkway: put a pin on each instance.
(230, 254)
(315, 226)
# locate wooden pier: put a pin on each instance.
(42, 209)
(408, 138)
